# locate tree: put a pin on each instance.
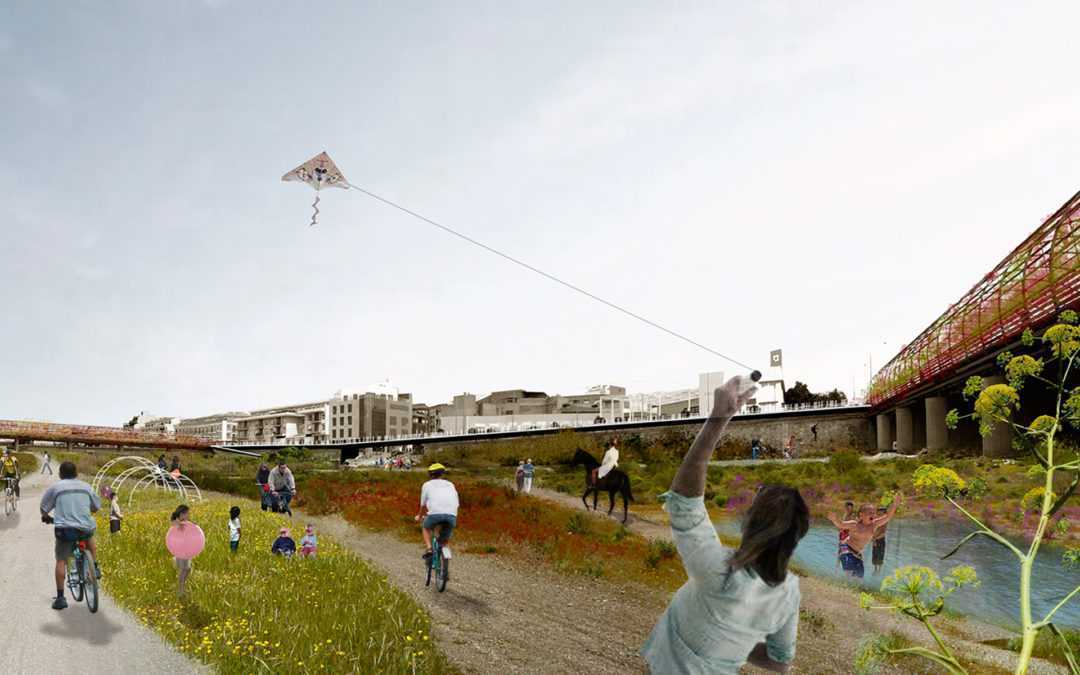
(799, 393)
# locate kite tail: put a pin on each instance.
(314, 205)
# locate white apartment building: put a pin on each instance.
(217, 428)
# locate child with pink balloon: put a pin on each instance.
(185, 540)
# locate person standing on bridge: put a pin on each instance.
(283, 485)
(736, 606)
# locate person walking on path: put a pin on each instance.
(740, 605)
(46, 464)
(519, 476)
(282, 485)
(262, 479)
(529, 470)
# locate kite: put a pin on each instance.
(318, 172)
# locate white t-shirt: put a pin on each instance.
(234, 529)
(439, 496)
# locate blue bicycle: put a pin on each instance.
(81, 578)
(438, 563)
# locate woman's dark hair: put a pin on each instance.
(773, 526)
(234, 512)
(180, 510)
(68, 470)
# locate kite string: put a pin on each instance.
(542, 273)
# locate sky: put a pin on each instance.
(822, 178)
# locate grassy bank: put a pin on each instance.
(252, 612)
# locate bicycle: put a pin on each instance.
(11, 498)
(81, 576)
(439, 560)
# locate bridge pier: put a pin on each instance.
(905, 430)
(937, 434)
(884, 433)
(999, 442)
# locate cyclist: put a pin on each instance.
(9, 469)
(282, 485)
(72, 503)
(440, 498)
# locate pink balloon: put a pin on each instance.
(186, 541)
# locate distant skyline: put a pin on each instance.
(822, 178)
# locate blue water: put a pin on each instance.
(924, 541)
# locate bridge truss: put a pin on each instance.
(1040, 278)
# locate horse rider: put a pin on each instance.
(611, 460)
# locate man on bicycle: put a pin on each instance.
(440, 498)
(9, 470)
(72, 503)
(282, 485)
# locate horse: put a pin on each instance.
(614, 481)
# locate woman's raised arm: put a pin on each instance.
(689, 481)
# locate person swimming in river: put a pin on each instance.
(860, 532)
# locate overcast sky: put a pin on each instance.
(823, 178)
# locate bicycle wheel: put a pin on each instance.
(74, 579)
(444, 571)
(90, 582)
(7, 502)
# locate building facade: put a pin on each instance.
(218, 428)
(355, 416)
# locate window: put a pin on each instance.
(350, 407)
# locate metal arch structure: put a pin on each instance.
(1036, 281)
(146, 473)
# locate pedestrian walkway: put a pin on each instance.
(39, 639)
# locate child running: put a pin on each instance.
(234, 529)
(861, 532)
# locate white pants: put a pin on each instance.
(528, 483)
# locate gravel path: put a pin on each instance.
(39, 639)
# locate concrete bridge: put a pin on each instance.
(1026, 290)
(22, 431)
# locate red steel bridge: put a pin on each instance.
(1039, 279)
(92, 435)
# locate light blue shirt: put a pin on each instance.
(718, 615)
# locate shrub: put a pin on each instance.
(844, 462)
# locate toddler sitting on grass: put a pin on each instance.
(284, 544)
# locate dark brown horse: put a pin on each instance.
(614, 481)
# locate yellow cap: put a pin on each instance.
(436, 467)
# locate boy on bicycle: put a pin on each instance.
(9, 470)
(72, 503)
(440, 498)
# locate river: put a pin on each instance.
(924, 541)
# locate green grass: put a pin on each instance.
(252, 612)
